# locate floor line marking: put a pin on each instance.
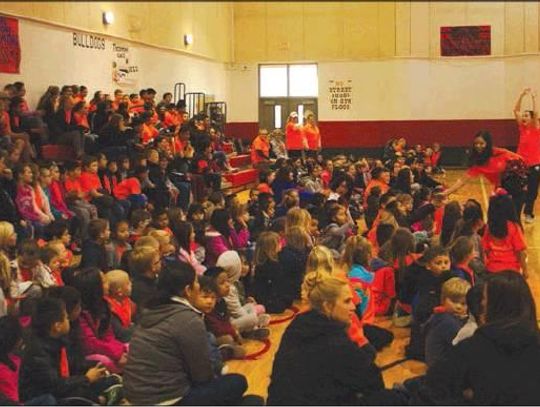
(484, 193)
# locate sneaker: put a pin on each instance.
(114, 394)
(257, 334)
(529, 219)
(226, 351)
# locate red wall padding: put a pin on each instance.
(452, 133)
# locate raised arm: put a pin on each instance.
(535, 112)
(517, 107)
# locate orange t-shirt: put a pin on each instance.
(375, 183)
(494, 167)
(81, 119)
(127, 187)
(438, 220)
(74, 185)
(529, 145)
(294, 137)
(89, 182)
(313, 136)
(149, 133)
(262, 145)
(502, 254)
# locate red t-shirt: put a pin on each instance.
(294, 137)
(313, 136)
(74, 185)
(438, 220)
(502, 254)
(127, 187)
(90, 181)
(529, 144)
(81, 119)
(494, 167)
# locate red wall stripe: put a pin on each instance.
(452, 133)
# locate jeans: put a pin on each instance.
(227, 390)
(533, 180)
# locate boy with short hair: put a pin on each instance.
(45, 366)
(447, 320)
(94, 252)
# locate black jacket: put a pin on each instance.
(293, 263)
(317, 364)
(8, 210)
(144, 288)
(269, 287)
(40, 371)
(499, 364)
(94, 255)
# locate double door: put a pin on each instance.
(273, 112)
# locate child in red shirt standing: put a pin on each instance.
(503, 241)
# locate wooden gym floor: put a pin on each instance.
(258, 371)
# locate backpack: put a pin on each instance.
(514, 177)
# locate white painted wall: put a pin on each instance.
(49, 57)
(407, 89)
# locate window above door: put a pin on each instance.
(298, 80)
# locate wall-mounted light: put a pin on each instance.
(108, 17)
(188, 39)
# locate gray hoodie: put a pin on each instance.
(168, 354)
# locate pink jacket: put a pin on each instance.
(26, 203)
(216, 244)
(9, 379)
(189, 257)
(106, 345)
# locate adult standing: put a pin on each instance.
(317, 363)
(529, 149)
(169, 359)
(491, 162)
(312, 134)
(295, 140)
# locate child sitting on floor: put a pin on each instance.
(217, 320)
(121, 306)
(205, 302)
(244, 317)
(97, 336)
(446, 321)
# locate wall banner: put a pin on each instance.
(340, 94)
(125, 71)
(10, 49)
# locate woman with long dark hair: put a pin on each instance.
(169, 360)
(491, 162)
(498, 365)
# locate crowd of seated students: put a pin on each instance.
(122, 286)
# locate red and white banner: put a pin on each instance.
(10, 49)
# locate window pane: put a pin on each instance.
(273, 80)
(303, 80)
(301, 115)
(277, 117)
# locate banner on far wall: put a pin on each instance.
(466, 41)
(10, 49)
(124, 69)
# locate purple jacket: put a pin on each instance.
(106, 345)
(216, 244)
